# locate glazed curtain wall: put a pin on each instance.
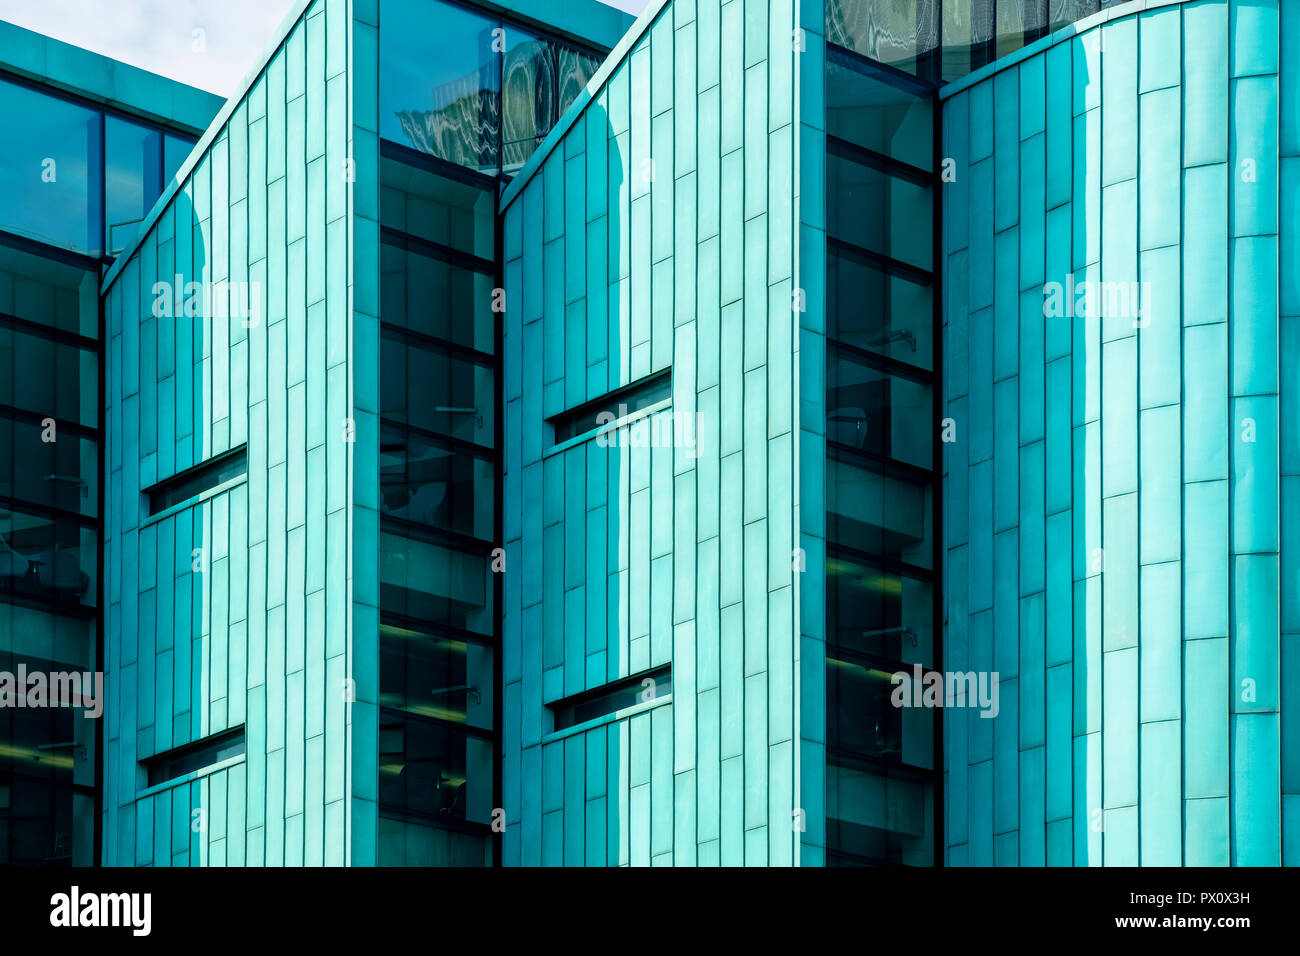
(231, 610)
(656, 236)
(1124, 488)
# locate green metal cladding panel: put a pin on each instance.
(1121, 500)
(654, 231)
(260, 635)
(810, 412)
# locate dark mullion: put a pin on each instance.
(878, 161)
(88, 522)
(431, 343)
(457, 446)
(879, 261)
(429, 628)
(48, 332)
(880, 363)
(480, 733)
(883, 72)
(877, 561)
(879, 464)
(435, 250)
(455, 540)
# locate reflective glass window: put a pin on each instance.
(878, 212)
(873, 411)
(176, 149)
(861, 717)
(44, 824)
(424, 481)
(50, 169)
(431, 770)
(46, 558)
(967, 30)
(405, 842)
(1067, 11)
(540, 78)
(878, 311)
(436, 390)
(878, 116)
(426, 294)
(51, 378)
(437, 676)
(423, 204)
(878, 612)
(876, 816)
(132, 178)
(426, 579)
(896, 32)
(60, 474)
(879, 514)
(439, 82)
(51, 293)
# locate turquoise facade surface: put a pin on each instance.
(252, 612)
(653, 233)
(234, 611)
(1115, 397)
(1121, 494)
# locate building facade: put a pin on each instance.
(88, 145)
(522, 436)
(1121, 504)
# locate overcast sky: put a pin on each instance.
(160, 35)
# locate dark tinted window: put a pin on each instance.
(196, 756)
(610, 699)
(194, 481)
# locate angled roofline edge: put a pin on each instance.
(576, 108)
(205, 142)
(1066, 32)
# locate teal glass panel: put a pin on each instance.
(877, 513)
(875, 817)
(901, 33)
(424, 293)
(61, 474)
(439, 82)
(41, 375)
(898, 204)
(540, 78)
(133, 177)
(862, 719)
(425, 579)
(431, 771)
(423, 479)
(50, 169)
(423, 204)
(877, 116)
(48, 292)
(428, 386)
(879, 311)
(871, 411)
(46, 559)
(176, 149)
(876, 611)
(430, 675)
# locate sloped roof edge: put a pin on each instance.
(580, 103)
(214, 130)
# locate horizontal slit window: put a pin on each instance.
(194, 481)
(640, 688)
(613, 407)
(196, 756)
